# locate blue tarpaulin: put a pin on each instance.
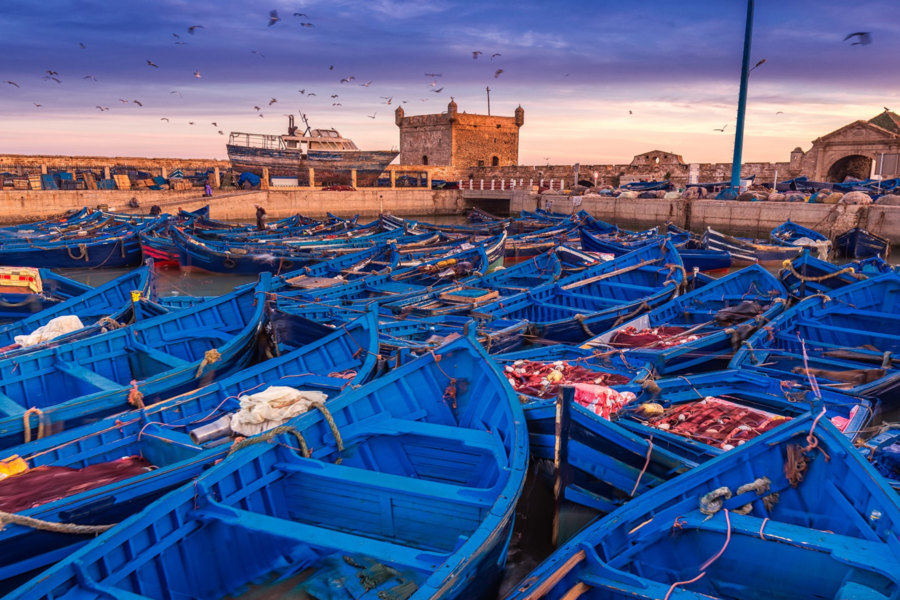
(249, 177)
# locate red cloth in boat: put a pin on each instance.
(601, 400)
(530, 377)
(631, 337)
(45, 483)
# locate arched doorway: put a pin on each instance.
(855, 165)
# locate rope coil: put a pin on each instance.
(209, 357)
(27, 424)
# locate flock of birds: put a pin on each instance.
(860, 38)
(273, 19)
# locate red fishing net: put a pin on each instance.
(601, 400)
(716, 422)
(44, 484)
(657, 337)
(542, 379)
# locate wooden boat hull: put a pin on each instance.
(161, 435)
(331, 168)
(83, 380)
(859, 243)
(451, 502)
(823, 517)
(745, 252)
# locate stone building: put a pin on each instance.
(459, 140)
(860, 149)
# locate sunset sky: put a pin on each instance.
(599, 80)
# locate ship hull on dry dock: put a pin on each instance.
(330, 168)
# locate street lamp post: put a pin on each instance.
(742, 104)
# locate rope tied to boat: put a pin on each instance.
(135, 396)
(789, 266)
(326, 414)
(109, 324)
(268, 436)
(643, 307)
(746, 344)
(760, 485)
(82, 252)
(27, 423)
(450, 391)
(580, 318)
(71, 528)
(209, 357)
(712, 502)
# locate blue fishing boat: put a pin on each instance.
(807, 275)
(623, 440)
(25, 291)
(859, 243)
(747, 252)
(119, 248)
(794, 234)
(883, 451)
(108, 470)
(846, 340)
(701, 329)
(692, 255)
(477, 290)
(407, 490)
(582, 305)
(106, 305)
(739, 526)
(68, 385)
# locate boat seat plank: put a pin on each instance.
(320, 536)
(95, 379)
(211, 333)
(395, 485)
(9, 407)
(816, 325)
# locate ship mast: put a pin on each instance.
(305, 122)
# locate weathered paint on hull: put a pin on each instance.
(330, 167)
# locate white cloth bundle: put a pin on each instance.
(271, 407)
(53, 329)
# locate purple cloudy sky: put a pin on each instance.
(577, 68)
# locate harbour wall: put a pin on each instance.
(753, 219)
(17, 206)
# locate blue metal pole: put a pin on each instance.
(742, 104)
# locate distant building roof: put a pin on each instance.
(887, 120)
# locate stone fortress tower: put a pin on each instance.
(459, 140)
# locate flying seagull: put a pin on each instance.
(273, 17)
(334, 95)
(306, 25)
(81, 45)
(437, 91)
(220, 132)
(887, 109)
(49, 72)
(151, 64)
(91, 77)
(261, 55)
(372, 116)
(56, 79)
(197, 73)
(433, 74)
(101, 108)
(757, 64)
(722, 129)
(194, 27)
(257, 108)
(495, 54)
(311, 94)
(497, 73)
(37, 105)
(214, 124)
(780, 112)
(301, 15)
(476, 54)
(12, 83)
(166, 119)
(864, 38)
(138, 102)
(273, 101)
(348, 79)
(367, 84)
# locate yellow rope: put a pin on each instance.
(25, 418)
(790, 267)
(268, 435)
(209, 357)
(72, 528)
(334, 428)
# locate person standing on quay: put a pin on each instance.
(260, 218)
(207, 190)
